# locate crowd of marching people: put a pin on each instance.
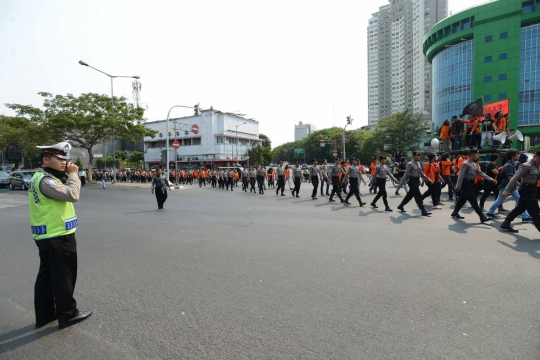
(463, 178)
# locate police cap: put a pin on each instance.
(59, 150)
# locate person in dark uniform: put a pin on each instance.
(297, 174)
(245, 181)
(261, 173)
(158, 186)
(334, 175)
(529, 174)
(314, 174)
(252, 179)
(280, 179)
(214, 177)
(52, 191)
(402, 167)
(412, 176)
(380, 177)
(230, 181)
(465, 186)
(353, 172)
(324, 177)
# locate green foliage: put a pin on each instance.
(136, 159)
(260, 155)
(86, 120)
(402, 130)
(534, 148)
(25, 135)
(79, 163)
(267, 142)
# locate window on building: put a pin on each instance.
(187, 142)
(502, 76)
(503, 56)
(487, 79)
(219, 140)
(489, 38)
(527, 6)
(196, 141)
(487, 97)
(502, 96)
(504, 35)
(488, 59)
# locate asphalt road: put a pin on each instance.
(230, 275)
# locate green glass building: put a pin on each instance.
(490, 51)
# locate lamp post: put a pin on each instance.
(237, 139)
(112, 107)
(167, 131)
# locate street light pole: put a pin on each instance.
(237, 139)
(112, 107)
(167, 131)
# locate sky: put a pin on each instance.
(277, 61)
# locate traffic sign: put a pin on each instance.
(322, 142)
(298, 151)
(334, 153)
(347, 139)
(195, 128)
(176, 144)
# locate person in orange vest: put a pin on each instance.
(446, 170)
(288, 176)
(373, 166)
(445, 135)
(432, 171)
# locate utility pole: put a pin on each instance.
(349, 122)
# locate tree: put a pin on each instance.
(402, 131)
(266, 141)
(136, 158)
(23, 134)
(87, 120)
(260, 155)
(79, 163)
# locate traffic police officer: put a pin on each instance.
(380, 177)
(159, 183)
(281, 179)
(297, 172)
(465, 186)
(529, 173)
(412, 176)
(53, 222)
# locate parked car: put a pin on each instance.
(20, 179)
(4, 179)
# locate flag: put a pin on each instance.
(475, 108)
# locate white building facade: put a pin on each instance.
(223, 139)
(302, 130)
(399, 76)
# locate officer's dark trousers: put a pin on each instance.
(489, 188)
(467, 194)
(297, 182)
(414, 192)
(201, 181)
(336, 189)
(55, 283)
(252, 181)
(161, 196)
(213, 181)
(451, 188)
(315, 183)
(322, 185)
(354, 190)
(260, 183)
(381, 184)
(527, 201)
(245, 184)
(280, 184)
(230, 183)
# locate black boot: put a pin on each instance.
(508, 227)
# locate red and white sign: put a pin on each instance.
(176, 144)
(322, 142)
(195, 128)
(503, 106)
(334, 153)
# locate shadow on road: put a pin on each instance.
(522, 244)
(25, 340)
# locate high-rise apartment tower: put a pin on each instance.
(399, 76)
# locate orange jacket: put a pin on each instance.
(268, 176)
(432, 168)
(287, 173)
(445, 129)
(478, 178)
(373, 167)
(446, 167)
(196, 174)
(502, 124)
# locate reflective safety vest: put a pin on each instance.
(49, 217)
